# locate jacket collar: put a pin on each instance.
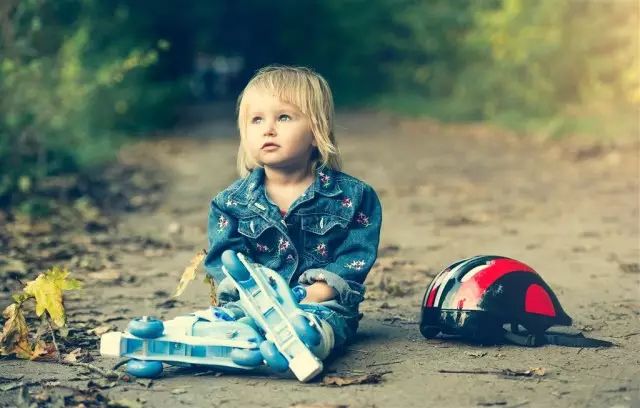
(325, 184)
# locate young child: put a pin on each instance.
(293, 211)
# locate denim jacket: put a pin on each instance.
(329, 234)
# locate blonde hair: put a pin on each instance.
(306, 90)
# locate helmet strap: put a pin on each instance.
(559, 339)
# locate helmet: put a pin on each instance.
(476, 296)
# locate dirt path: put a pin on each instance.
(447, 192)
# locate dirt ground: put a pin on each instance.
(569, 209)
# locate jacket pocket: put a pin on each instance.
(323, 235)
(252, 227)
(262, 240)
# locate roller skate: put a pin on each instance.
(207, 338)
(295, 339)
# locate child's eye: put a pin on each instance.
(284, 117)
(256, 119)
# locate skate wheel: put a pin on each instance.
(299, 293)
(234, 266)
(429, 331)
(245, 357)
(309, 335)
(146, 329)
(274, 359)
(144, 369)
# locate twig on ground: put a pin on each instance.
(468, 372)
(120, 363)
(109, 374)
(10, 387)
(385, 363)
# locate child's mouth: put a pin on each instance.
(270, 146)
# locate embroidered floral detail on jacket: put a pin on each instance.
(321, 249)
(356, 265)
(283, 245)
(261, 247)
(362, 219)
(231, 203)
(346, 202)
(222, 223)
(324, 179)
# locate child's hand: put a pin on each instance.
(319, 292)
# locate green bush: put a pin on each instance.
(562, 65)
(66, 94)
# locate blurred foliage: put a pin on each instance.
(554, 66)
(76, 74)
(67, 90)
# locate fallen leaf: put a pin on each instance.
(102, 329)
(190, 272)
(340, 381)
(14, 338)
(77, 355)
(47, 289)
(213, 293)
(476, 354)
(178, 391)
(42, 349)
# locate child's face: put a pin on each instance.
(278, 134)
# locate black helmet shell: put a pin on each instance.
(474, 297)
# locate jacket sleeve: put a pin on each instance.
(355, 256)
(222, 233)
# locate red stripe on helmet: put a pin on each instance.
(432, 296)
(473, 289)
(537, 301)
(498, 268)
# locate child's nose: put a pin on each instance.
(270, 129)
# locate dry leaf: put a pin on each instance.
(213, 293)
(72, 357)
(341, 381)
(42, 349)
(190, 272)
(47, 289)
(14, 338)
(100, 330)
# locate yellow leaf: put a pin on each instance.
(14, 338)
(47, 289)
(190, 272)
